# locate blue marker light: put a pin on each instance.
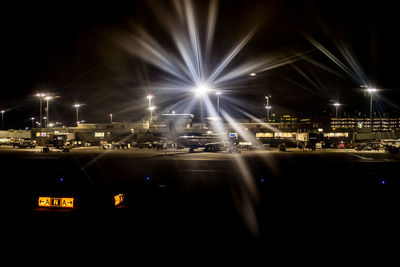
(262, 180)
(147, 178)
(61, 179)
(383, 182)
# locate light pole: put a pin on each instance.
(111, 118)
(371, 92)
(200, 91)
(47, 98)
(149, 97)
(76, 106)
(336, 107)
(268, 107)
(218, 93)
(40, 95)
(151, 112)
(2, 118)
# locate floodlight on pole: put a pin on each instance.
(151, 112)
(218, 93)
(40, 95)
(77, 106)
(149, 98)
(268, 107)
(371, 91)
(201, 91)
(47, 98)
(336, 104)
(2, 118)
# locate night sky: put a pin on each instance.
(72, 49)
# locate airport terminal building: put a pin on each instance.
(289, 129)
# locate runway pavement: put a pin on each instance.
(255, 196)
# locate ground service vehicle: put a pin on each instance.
(197, 141)
(24, 144)
(221, 146)
(59, 141)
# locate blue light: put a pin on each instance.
(61, 179)
(231, 135)
(383, 182)
(147, 178)
(262, 180)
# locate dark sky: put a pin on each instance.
(69, 48)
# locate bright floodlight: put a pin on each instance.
(77, 105)
(149, 97)
(253, 74)
(218, 92)
(40, 94)
(371, 90)
(336, 104)
(201, 90)
(152, 108)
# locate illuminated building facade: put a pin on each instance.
(378, 124)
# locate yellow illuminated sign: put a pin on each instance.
(118, 199)
(44, 202)
(56, 202)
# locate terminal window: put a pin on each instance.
(264, 135)
(99, 134)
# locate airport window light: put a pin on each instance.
(99, 134)
(285, 135)
(264, 135)
(332, 135)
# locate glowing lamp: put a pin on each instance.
(201, 90)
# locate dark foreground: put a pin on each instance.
(289, 201)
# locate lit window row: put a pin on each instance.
(270, 135)
(336, 134)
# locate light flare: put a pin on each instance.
(188, 67)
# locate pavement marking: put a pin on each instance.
(204, 171)
(389, 160)
(360, 157)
